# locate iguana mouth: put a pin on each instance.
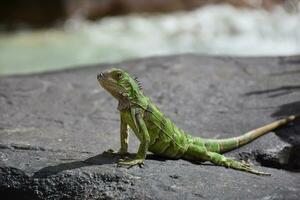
(110, 85)
(107, 84)
(103, 79)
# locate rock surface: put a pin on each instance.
(55, 126)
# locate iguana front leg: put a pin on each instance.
(143, 136)
(123, 137)
(124, 133)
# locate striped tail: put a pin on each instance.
(224, 145)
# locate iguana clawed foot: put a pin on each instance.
(246, 163)
(253, 171)
(131, 162)
(243, 166)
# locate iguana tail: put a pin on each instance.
(224, 145)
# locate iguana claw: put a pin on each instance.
(243, 166)
(247, 168)
(130, 163)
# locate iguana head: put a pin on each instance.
(119, 84)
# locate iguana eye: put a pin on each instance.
(119, 75)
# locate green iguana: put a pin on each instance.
(159, 135)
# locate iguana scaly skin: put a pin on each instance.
(159, 135)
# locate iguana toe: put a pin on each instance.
(132, 162)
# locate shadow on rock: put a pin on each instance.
(286, 157)
(280, 91)
(285, 73)
(287, 109)
(100, 159)
(291, 132)
(10, 176)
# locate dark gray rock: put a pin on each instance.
(54, 127)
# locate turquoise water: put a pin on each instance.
(213, 30)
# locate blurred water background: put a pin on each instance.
(209, 30)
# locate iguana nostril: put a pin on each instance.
(100, 75)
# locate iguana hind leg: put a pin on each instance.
(199, 153)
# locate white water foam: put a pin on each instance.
(213, 30)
